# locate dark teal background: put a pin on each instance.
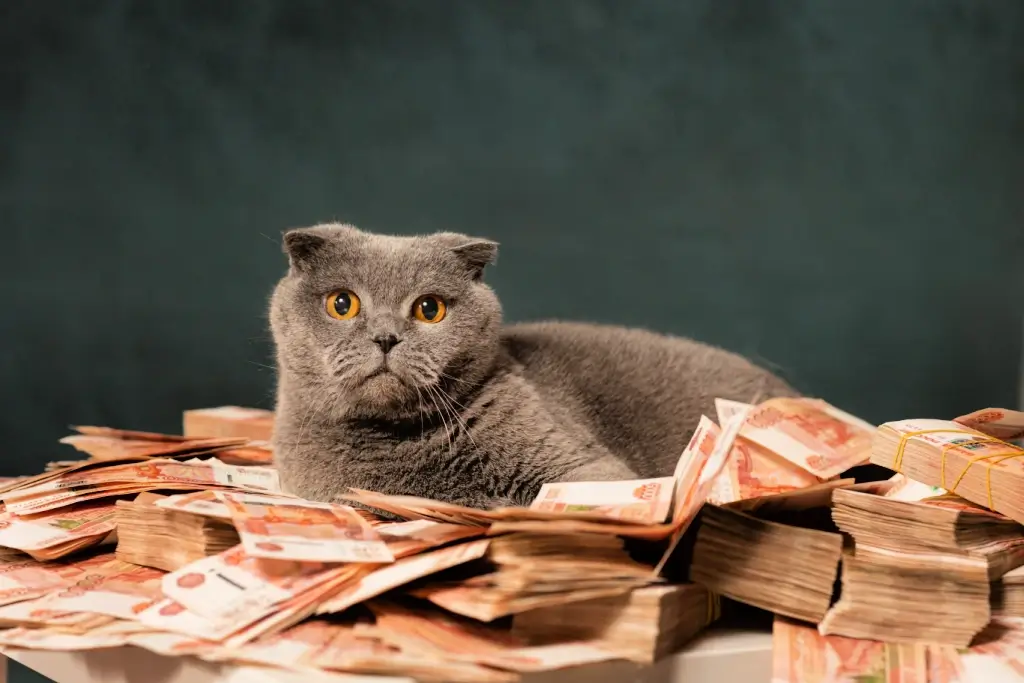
(831, 187)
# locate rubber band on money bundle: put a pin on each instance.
(714, 607)
(980, 438)
(905, 438)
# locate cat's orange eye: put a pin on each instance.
(342, 304)
(429, 309)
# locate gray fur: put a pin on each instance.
(471, 411)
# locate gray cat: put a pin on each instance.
(397, 375)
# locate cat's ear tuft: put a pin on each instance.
(474, 253)
(303, 246)
(477, 255)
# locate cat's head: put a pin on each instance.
(373, 326)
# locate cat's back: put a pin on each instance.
(641, 392)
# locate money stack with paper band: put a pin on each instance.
(187, 546)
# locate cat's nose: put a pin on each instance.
(386, 341)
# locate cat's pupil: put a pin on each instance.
(342, 303)
(429, 308)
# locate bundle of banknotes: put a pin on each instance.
(186, 545)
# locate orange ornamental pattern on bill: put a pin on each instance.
(305, 531)
(809, 434)
(645, 501)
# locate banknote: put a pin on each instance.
(644, 501)
(115, 588)
(997, 422)
(80, 484)
(110, 635)
(229, 421)
(296, 647)
(80, 523)
(354, 652)
(905, 488)
(38, 612)
(304, 531)
(377, 581)
(436, 634)
(232, 591)
(705, 458)
(208, 472)
(250, 453)
(810, 434)
(233, 585)
(753, 471)
(408, 538)
(801, 655)
(481, 603)
(202, 503)
(296, 609)
(226, 421)
(170, 616)
(726, 409)
(171, 644)
(100, 585)
(997, 653)
(62, 499)
(22, 578)
(415, 508)
(106, 443)
(701, 462)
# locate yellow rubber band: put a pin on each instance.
(952, 446)
(981, 459)
(904, 438)
(980, 438)
(988, 479)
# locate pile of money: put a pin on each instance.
(56, 533)
(158, 531)
(788, 444)
(642, 625)
(959, 458)
(800, 654)
(906, 553)
(213, 560)
(252, 424)
(781, 568)
(533, 570)
(1008, 594)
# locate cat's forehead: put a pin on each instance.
(390, 266)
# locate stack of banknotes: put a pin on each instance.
(187, 546)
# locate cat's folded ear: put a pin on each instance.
(302, 246)
(306, 247)
(474, 252)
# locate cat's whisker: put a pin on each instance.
(453, 379)
(440, 412)
(450, 398)
(465, 427)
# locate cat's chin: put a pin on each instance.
(385, 395)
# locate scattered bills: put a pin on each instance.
(54, 534)
(304, 531)
(213, 560)
(645, 501)
(811, 434)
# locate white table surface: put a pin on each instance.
(716, 656)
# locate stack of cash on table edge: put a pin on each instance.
(187, 546)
